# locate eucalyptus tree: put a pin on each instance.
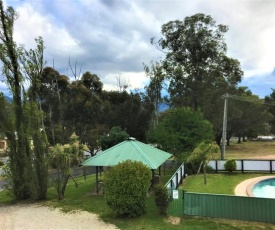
(155, 87)
(249, 114)
(196, 62)
(52, 91)
(179, 131)
(24, 130)
(130, 111)
(270, 102)
(115, 136)
(83, 105)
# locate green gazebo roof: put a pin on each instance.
(129, 149)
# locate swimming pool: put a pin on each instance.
(265, 188)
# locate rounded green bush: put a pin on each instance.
(161, 198)
(126, 186)
(1, 163)
(230, 165)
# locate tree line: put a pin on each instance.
(196, 72)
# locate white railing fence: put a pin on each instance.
(246, 165)
(176, 179)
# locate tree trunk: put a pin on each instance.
(218, 137)
(239, 138)
(63, 186)
(204, 173)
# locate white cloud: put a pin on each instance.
(113, 37)
(132, 79)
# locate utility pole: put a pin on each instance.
(226, 96)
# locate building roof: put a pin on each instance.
(129, 149)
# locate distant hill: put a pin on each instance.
(9, 99)
(163, 107)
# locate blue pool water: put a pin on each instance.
(265, 188)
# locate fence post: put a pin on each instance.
(270, 162)
(216, 166)
(242, 166)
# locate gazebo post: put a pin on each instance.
(153, 176)
(96, 178)
(147, 154)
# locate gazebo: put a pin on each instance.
(130, 149)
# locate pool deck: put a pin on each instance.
(245, 187)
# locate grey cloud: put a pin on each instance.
(112, 37)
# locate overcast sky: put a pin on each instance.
(112, 38)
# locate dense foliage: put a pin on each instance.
(22, 121)
(115, 136)
(196, 60)
(179, 131)
(126, 186)
(83, 107)
(197, 72)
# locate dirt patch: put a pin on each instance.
(268, 157)
(173, 220)
(34, 216)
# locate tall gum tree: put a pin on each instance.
(196, 61)
(197, 66)
(27, 143)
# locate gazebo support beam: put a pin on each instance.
(96, 178)
(153, 176)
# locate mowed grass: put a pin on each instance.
(220, 183)
(84, 197)
(249, 150)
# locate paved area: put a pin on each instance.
(245, 187)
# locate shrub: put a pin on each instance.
(1, 163)
(63, 158)
(161, 198)
(126, 186)
(230, 165)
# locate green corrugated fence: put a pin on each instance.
(229, 207)
(176, 206)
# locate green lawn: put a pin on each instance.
(249, 149)
(220, 183)
(84, 198)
